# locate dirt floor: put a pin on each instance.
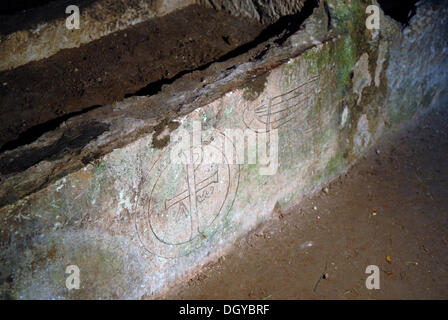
(389, 210)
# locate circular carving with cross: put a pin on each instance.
(187, 201)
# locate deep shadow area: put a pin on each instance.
(10, 7)
(401, 11)
(33, 133)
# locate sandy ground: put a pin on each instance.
(392, 204)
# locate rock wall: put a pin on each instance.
(153, 211)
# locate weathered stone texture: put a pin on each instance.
(329, 105)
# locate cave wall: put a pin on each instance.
(328, 106)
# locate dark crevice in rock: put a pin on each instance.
(71, 141)
(34, 133)
(401, 11)
(280, 31)
(292, 23)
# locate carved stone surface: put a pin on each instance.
(134, 220)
